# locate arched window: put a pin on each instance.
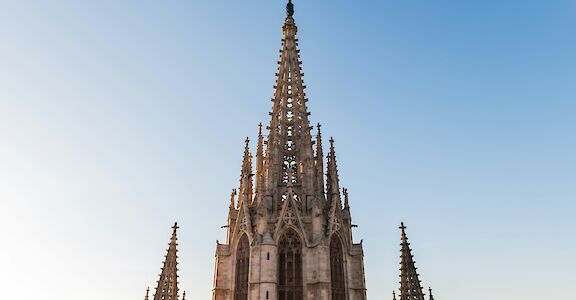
(242, 269)
(337, 269)
(290, 267)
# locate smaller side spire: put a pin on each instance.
(393, 295)
(184, 296)
(246, 175)
(430, 292)
(320, 160)
(332, 181)
(167, 288)
(410, 288)
(147, 293)
(260, 162)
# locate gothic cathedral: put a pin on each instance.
(289, 237)
(289, 230)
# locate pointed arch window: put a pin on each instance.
(242, 269)
(337, 269)
(290, 285)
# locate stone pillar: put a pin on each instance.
(264, 271)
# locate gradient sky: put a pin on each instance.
(119, 117)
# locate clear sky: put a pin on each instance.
(119, 117)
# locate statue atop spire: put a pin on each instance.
(290, 9)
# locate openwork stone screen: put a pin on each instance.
(242, 269)
(337, 269)
(290, 267)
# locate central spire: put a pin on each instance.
(289, 150)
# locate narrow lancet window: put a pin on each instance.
(242, 269)
(337, 269)
(290, 267)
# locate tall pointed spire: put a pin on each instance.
(168, 283)
(410, 288)
(319, 160)
(246, 176)
(332, 180)
(260, 162)
(289, 153)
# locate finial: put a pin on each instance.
(147, 292)
(430, 291)
(346, 203)
(393, 295)
(184, 296)
(290, 9)
(232, 199)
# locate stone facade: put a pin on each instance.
(289, 229)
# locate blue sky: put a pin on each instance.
(118, 118)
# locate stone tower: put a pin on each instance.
(289, 231)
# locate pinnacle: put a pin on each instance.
(410, 288)
(167, 288)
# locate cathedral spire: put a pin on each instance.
(184, 296)
(246, 176)
(260, 162)
(289, 152)
(410, 288)
(319, 160)
(168, 283)
(430, 293)
(393, 295)
(332, 180)
(147, 293)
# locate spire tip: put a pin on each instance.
(290, 9)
